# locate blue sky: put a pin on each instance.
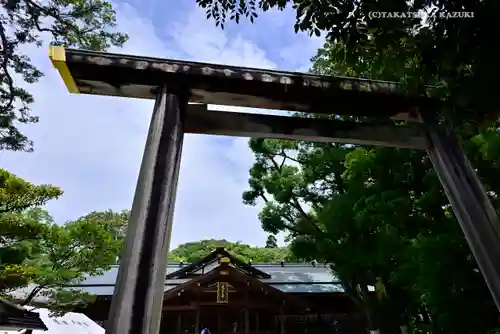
(92, 146)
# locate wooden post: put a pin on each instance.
(136, 306)
(282, 321)
(472, 206)
(247, 320)
(257, 320)
(179, 322)
(197, 323)
(219, 323)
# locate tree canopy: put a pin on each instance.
(42, 257)
(87, 246)
(86, 24)
(271, 242)
(193, 251)
(22, 224)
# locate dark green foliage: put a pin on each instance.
(79, 23)
(34, 250)
(380, 217)
(22, 224)
(17, 195)
(193, 251)
(271, 242)
(87, 246)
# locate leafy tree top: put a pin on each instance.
(88, 24)
(193, 251)
(36, 251)
(17, 194)
(271, 242)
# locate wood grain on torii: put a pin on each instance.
(138, 77)
(102, 73)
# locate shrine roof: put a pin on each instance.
(289, 277)
(212, 259)
(100, 73)
(15, 317)
(237, 279)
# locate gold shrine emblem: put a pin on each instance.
(222, 293)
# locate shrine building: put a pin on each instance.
(227, 295)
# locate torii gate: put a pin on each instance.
(137, 301)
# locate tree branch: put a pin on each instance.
(287, 157)
(32, 294)
(59, 17)
(4, 66)
(340, 183)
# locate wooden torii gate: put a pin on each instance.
(136, 306)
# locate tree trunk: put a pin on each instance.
(32, 295)
(370, 319)
(368, 306)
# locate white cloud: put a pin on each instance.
(201, 40)
(92, 146)
(294, 53)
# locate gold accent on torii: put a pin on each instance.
(57, 55)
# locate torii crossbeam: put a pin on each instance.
(136, 306)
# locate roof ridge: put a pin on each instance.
(254, 263)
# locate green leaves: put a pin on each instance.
(34, 250)
(17, 195)
(67, 253)
(67, 300)
(22, 224)
(193, 251)
(77, 23)
(273, 217)
(271, 242)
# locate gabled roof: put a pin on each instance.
(16, 317)
(236, 278)
(217, 254)
(287, 277)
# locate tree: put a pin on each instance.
(271, 242)
(34, 251)
(86, 24)
(442, 235)
(378, 226)
(21, 225)
(87, 246)
(17, 195)
(193, 251)
(291, 176)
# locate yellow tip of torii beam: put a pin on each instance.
(57, 55)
